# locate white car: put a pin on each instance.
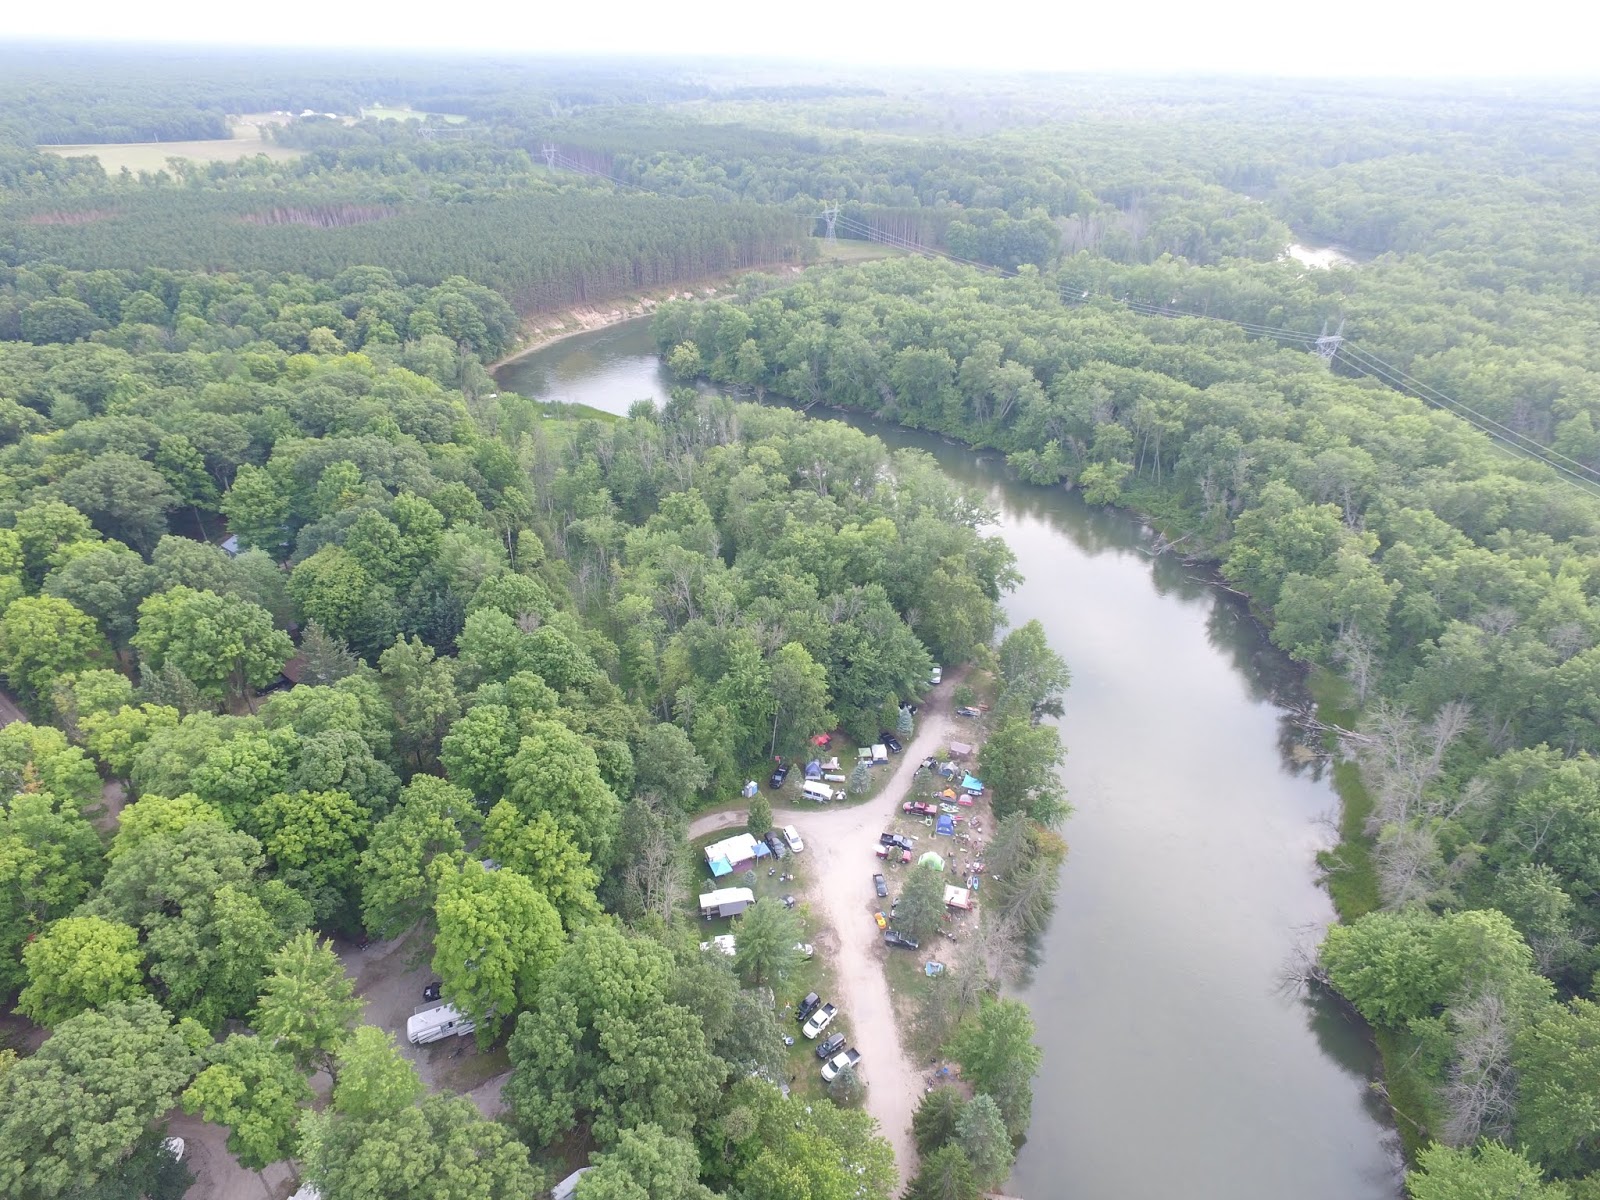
(792, 836)
(819, 1021)
(841, 1060)
(936, 676)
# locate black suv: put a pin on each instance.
(878, 884)
(831, 1046)
(809, 1005)
(893, 937)
(778, 776)
(775, 843)
(891, 742)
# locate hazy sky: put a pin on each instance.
(1365, 37)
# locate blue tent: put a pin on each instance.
(971, 784)
(720, 867)
(814, 769)
(762, 849)
(946, 826)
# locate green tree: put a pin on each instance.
(1557, 1057)
(684, 362)
(228, 647)
(49, 859)
(997, 1056)
(765, 943)
(422, 690)
(800, 698)
(314, 841)
(49, 534)
(1021, 769)
(307, 1004)
(327, 658)
(257, 1091)
(669, 767)
(332, 589)
(647, 1164)
(79, 963)
(257, 509)
(108, 583)
(478, 748)
(1384, 964)
(601, 1047)
(1488, 1171)
(1033, 677)
(937, 1118)
(424, 838)
(759, 819)
(124, 496)
(920, 909)
(439, 1149)
(71, 1113)
(116, 738)
(498, 938)
(945, 1175)
(42, 639)
(860, 779)
(373, 1081)
(540, 851)
(555, 771)
(981, 1134)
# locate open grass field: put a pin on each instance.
(384, 113)
(246, 142)
(848, 251)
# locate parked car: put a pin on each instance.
(818, 1021)
(830, 1045)
(880, 885)
(807, 1006)
(921, 808)
(896, 839)
(431, 991)
(883, 921)
(967, 711)
(893, 937)
(889, 740)
(792, 836)
(900, 852)
(936, 676)
(775, 843)
(845, 1058)
(779, 774)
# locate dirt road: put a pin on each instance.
(839, 842)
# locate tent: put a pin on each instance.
(946, 826)
(957, 898)
(814, 769)
(972, 785)
(736, 853)
(930, 859)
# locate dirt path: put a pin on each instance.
(839, 842)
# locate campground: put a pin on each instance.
(836, 885)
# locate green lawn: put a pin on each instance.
(386, 113)
(848, 250)
(152, 156)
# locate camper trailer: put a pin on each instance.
(726, 902)
(435, 1023)
(821, 793)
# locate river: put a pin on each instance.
(1173, 1065)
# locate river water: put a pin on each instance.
(1173, 1065)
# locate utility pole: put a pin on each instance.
(1328, 344)
(830, 214)
(550, 155)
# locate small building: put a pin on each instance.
(726, 902)
(958, 897)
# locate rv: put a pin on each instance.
(726, 902)
(435, 1023)
(820, 792)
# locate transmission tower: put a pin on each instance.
(550, 155)
(1328, 344)
(830, 214)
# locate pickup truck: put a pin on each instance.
(841, 1060)
(920, 807)
(818, 1021)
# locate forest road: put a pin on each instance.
(840, 844)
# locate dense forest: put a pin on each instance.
(541, 642)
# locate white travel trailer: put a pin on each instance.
(820, 792)
(435, 1023)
